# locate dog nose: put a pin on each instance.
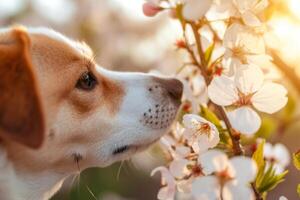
(173, 86)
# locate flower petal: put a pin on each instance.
(250, 19)
(150, 9)
(244, 120)
(190, 119)
(231, 36)
(260, 6)
(166, 193)
(270, 98)
(167, 141)
(194, 9)
(249, 78)
(268, 150)
(178, 168)
(244, 5)
(182, 151)
(185, 185)
(222, 91)
(166, 176)
(234, 191)
(245, 169)
(282, 154)
(205, 142)
(206, 188)
(213, 161)
(201, 145)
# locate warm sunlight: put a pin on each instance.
(294, 6)
(149, 99)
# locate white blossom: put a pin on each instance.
(243, 46)
(168, 191)
(229, 177)
(277, 155)
(200, 133)
(194, 10)
(247, 91)
(247, 10)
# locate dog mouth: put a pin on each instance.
(134, 148)
(121, 149)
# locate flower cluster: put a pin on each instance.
(226, 89)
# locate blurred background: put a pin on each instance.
(125, 40)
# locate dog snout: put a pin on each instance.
(172, 86)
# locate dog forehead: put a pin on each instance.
(79, 47)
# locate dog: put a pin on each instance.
(59, 109)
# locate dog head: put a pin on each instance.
(58, 99)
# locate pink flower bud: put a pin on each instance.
(180, 43)
(150, 9)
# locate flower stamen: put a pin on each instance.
(244, 99)
(224, 176)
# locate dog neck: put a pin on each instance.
(17, 183)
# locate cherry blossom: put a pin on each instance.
(200, 133)
(242, 47)
(226, 178)
(168, 191)
(191, 100)
(225, 62)
(194, 10)
(277, 155)
(246, 92)
(247, 10)
(179, 168)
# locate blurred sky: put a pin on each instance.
(63, 11)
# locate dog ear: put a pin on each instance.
(21, 113)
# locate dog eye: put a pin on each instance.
(86, 81)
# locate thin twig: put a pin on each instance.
(287, 70)
(257, 194)
(237, 149)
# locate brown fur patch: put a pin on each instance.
(113, 93)
(66, 64)
(21, 113)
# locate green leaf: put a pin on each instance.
(296, 160)
(270, 180)
(290, 107)
(209, 116)
(258, 155)
(266, 180)
(208, 53)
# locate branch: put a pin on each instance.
(235, 137)
(257, 194)
(287, 70)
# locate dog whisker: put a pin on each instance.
(91, 192)
(119, 169)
